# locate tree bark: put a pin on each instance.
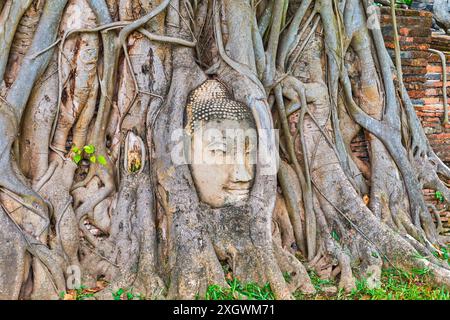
(91, 107)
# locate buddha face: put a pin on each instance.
(222, 145)
(223, 155)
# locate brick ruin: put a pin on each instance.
(422, 72)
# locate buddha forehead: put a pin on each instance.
(231, 132)
(212, 101)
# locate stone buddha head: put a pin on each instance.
(222, 145)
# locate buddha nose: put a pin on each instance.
(241, 173)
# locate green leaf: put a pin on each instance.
(421, 271)
(407, 2)
(135, 167)
(287, 277)
(101, 160)
(93, 159)
(89, 149)
(77, 158)
(75, 149)
(335, 235)
(117, 294)
(439, 196)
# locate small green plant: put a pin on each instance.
(407, 2)
(442, 253)
(318, 282)
(122, 294)
(438, 195)
(287, 277)
(89, 150)
(80, 293)
(445, 254)
(418, 256)
(395, 285)
(398, 2)
(239, 291)
(135, 167)
(400, 285)
(335, 235)
(421, 271)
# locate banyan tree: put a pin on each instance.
(109, 170)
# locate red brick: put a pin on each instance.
(406, 46)
(435, 84)
(437, 68)
(414, 70)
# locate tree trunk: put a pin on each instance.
(93, 100)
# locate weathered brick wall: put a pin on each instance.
(422, 73)
(423, 78)
(431, 111)
(415, 38)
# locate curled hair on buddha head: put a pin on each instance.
(212, 101)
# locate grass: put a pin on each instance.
(395, 285)
(443, 254)
(401, 286)
(239, 291)
(84, 293)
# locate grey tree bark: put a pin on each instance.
(92, 93)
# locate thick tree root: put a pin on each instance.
(137, 221)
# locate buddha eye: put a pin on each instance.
(219, 151)
(217, 148)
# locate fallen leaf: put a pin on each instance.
(91, 290)
(69, 296)
(101, 284)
